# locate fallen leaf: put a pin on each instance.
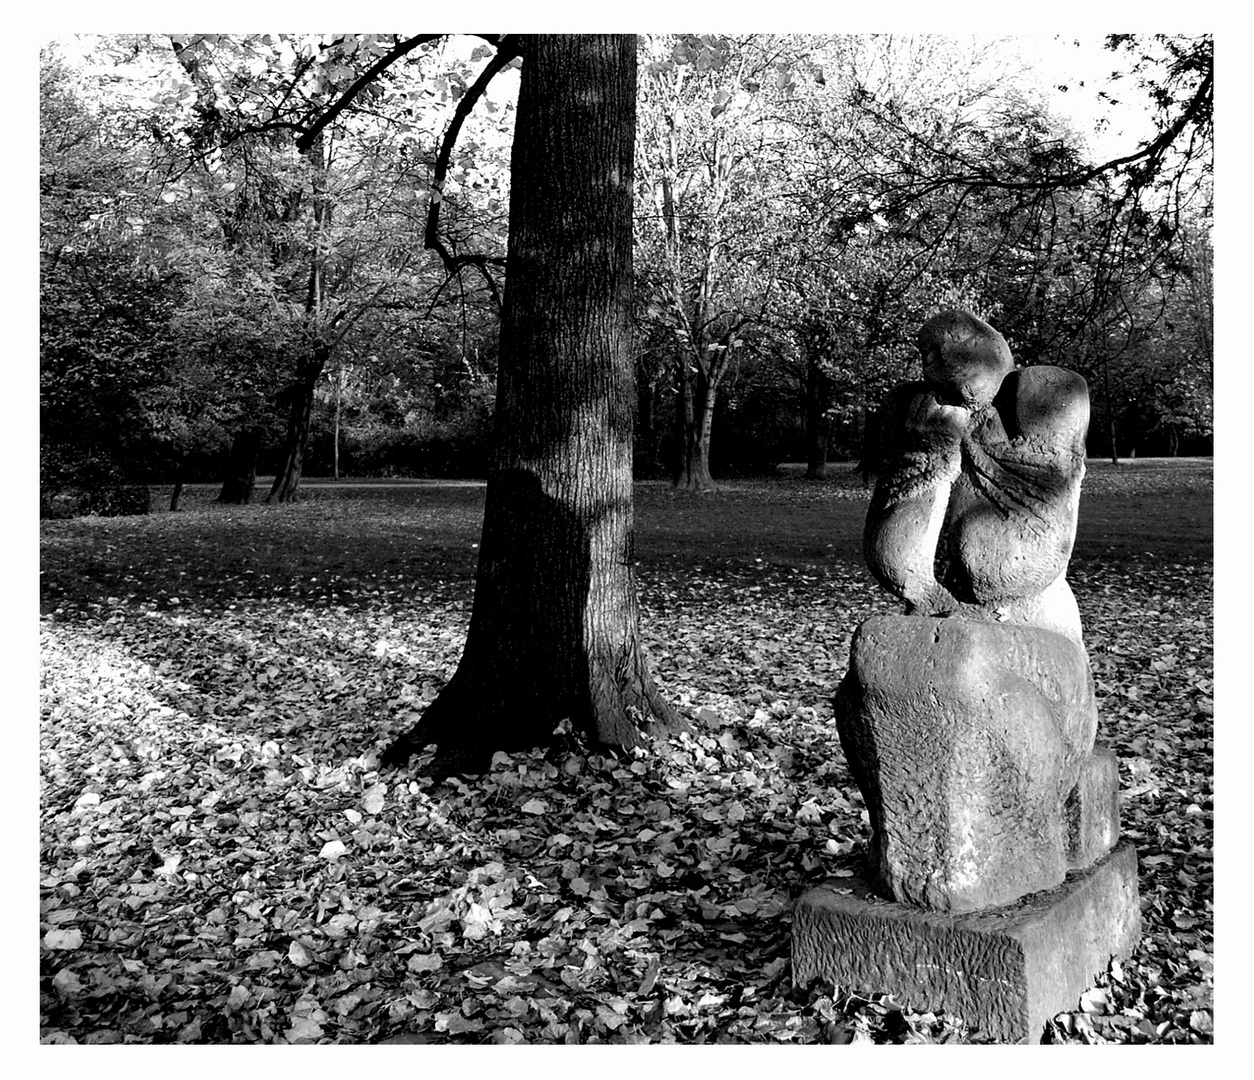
(373, 799)
(67, 983)
(64, 939)
(1095, 1000)
(305, 1030)
(333, 849)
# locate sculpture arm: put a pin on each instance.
(920, 460)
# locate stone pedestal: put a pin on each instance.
(1006, 971)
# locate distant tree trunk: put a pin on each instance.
(300, 392)
(299, 399)
(869, 460)
(554, 631)
(178, 491)
(241, 467)
(1110, 414)
(818, 390)
(646, 434)
(644, 409)
(695, 420)
(339, 387)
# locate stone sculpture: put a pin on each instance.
(969, 721)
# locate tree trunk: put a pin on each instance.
(818, 389)
(554, 631)
(241, 467)
(868, 445)
(695, 421)
(300, 399)
(175, 494)
(335, 451)
(644, 440)
(1110, 414)
(300, 392)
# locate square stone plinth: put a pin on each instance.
(1006, 971)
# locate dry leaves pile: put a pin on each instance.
(222, 860)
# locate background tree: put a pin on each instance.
(107, 296)
(712, 158)
(213, 147)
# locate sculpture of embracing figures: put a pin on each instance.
(969, 721)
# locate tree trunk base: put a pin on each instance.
(471, 720)
(694, 484)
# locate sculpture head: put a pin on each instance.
(964, 359)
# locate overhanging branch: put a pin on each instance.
(506, 53)
(346, 98)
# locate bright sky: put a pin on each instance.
(1084, 65)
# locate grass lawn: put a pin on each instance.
(223, 861)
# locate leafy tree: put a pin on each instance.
(334, 159)
(554, 628)
(711, 160)
(106, 301)
(945, 169)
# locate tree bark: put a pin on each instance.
(554, 631)
(241, 468)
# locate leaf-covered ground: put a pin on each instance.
(223, 861)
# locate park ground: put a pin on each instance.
(223, 861)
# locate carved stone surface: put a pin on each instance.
(1005, 971)
(966, 739)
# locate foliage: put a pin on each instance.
(825, 195)
(180, 158)
(221, 860)
(104, 313)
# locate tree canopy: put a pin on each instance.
(302, 237)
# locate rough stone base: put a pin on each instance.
(1006, 971)
(965, 738)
